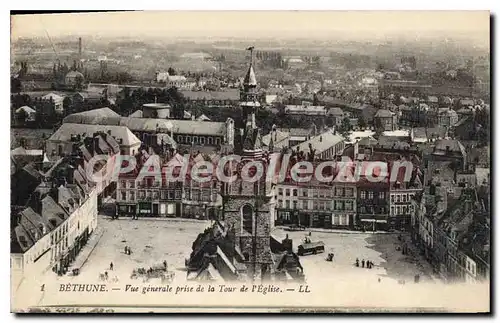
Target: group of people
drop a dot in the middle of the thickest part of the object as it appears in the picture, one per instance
(128, 251)
(369, 264)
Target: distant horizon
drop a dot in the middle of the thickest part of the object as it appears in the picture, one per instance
(314, 25)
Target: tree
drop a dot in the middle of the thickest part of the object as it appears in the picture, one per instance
(78, 82)
(361, 122)
(15, 85)
(171, 71)
(345, 127)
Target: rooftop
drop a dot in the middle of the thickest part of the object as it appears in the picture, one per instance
(66, 130)
(320, 143)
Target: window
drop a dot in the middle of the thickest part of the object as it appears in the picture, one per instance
(363, 195)
(247, 218)
(280, 191)
(315, 193)
(217, 141)
(202, 140)
(392, 210)
(398, 210)
(195, 139)
(338, 205)
(349, 205)
(370, 195)
(210, 140)
(404, 197)
(287, 192)
(392, 198)
(287, 204)
(349, 192)
(294, 192)
(304, 193)
(124, 196)
(398, 198)
(132, 184)
(381, 195)
(132, 195)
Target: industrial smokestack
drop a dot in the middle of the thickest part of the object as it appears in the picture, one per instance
(79, 48)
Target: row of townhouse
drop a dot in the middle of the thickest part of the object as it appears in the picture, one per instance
(317, 205)
(453, 237)
(59, 217)
(157, 195)
(347, 203)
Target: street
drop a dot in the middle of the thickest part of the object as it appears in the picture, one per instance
(380, 248)
(152, 241)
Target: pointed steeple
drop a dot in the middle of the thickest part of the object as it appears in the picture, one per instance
(250, 80)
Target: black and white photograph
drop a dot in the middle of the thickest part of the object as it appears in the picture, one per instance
(250, 161)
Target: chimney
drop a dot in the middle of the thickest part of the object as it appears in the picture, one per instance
(37, 202)
(96, 144)
(80, 48)
(70, 176)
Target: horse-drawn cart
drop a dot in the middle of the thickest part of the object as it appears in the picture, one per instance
(156, 271)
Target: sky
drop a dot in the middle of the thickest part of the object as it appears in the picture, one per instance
(357, 24)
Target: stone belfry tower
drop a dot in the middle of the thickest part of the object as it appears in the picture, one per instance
(248, 205)
(250, 137)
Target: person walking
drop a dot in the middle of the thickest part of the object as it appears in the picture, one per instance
(111, 266)
(363, 263)
(357, 262)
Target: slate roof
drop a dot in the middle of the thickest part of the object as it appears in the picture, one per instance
(382, 113)
(91, 116)
(63, 134)
(320, 143)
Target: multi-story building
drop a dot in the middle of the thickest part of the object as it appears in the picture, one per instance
(385, 120)
(153, 195)
(325, 146)
(402, 191)
(372, 204)
(190, 134)
(62, 142)
(57, 221)
(315, 203)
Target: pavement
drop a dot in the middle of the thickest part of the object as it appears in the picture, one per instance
(158, 219)
(343, 231)
(87, 250)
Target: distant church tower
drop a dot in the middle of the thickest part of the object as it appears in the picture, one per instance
(248, 207)
(249, 137)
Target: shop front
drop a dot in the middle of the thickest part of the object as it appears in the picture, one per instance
(285, 217)
(373, 224)
(145, 209)
(126, 209)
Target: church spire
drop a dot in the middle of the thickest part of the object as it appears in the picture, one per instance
(250, 80)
